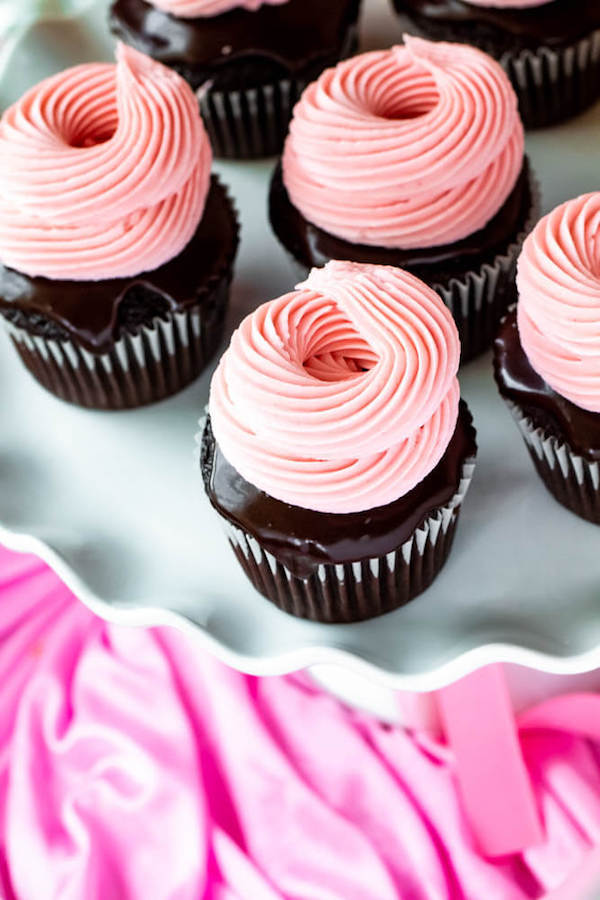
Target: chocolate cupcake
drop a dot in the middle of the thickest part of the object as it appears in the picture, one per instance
(248, 60)
(116, 245)
(336, 450)
(550, 49)
(547, 354)
(412, 157)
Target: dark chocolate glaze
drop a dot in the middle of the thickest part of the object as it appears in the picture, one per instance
(311, 246)
(553, 24)
(517, 381)
(298, 38)
(302, 539)
(90, 311)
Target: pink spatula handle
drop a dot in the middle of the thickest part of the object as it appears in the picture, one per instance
(495, 787)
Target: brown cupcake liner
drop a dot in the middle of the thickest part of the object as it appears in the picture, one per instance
(554, 84)
(479, 298)
(353, 591)
(142, 367)
(571, 478)
(252, 123)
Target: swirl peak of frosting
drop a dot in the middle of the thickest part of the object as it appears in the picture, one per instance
(191, 9)
(342, 395)
(558, 278)
(104, 171)
(415, 146)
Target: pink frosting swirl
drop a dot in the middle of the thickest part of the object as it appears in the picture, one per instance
(558, 278)
(190, 9)
(415, 146)
(341, 395)
(104, 171)
(508, 4)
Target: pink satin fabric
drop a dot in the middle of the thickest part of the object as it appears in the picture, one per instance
(133, 765)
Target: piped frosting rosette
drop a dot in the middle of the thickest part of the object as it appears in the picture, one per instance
(342, 395)
(104, 171)
(558, 313)
(190, 9)
(416, 146)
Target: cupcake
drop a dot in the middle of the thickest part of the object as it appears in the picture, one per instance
(116, 244)
(547, 354)
(249, 60)
(550, 50)
(336, 450)
(412, 157)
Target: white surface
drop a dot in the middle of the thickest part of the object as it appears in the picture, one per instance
(115, 502)
(527, 688)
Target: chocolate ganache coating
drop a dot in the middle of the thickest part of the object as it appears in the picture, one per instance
(552, 25)
(240, 48)
(312, 246)
(96, 312)
(520, 383)
(303, 539)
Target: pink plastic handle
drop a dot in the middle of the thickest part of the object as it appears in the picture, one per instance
(420, 712)
(495, 787)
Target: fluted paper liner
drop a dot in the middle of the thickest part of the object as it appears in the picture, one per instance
(142, 367)
(571, 478)
(253, 123)
(479, 298)
(555, 83)
(352, 591)
(147, 362)
(250, 123)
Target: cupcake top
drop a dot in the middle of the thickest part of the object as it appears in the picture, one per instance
(104, 171)
(416, 146)
(342, 395)
(191, 9)
(558, 313)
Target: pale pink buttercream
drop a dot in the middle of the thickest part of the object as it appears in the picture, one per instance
(415, 146)
(190, 9)
(104, 171)
(559, 300)
(342, 395)
(508, 4)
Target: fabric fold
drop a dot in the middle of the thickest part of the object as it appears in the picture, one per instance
(135, 765)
